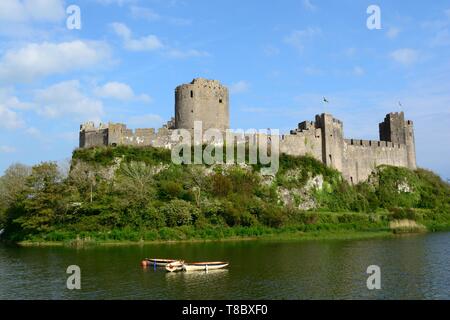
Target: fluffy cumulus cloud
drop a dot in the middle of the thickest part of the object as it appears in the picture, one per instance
(37, 60)
(405, 56)
(31, 10)
(10, 108)
(10, 100)
(67, 99)
(10, 119)
(120, 91)
(147, 43)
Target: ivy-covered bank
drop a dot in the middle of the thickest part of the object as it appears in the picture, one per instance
(137, 194)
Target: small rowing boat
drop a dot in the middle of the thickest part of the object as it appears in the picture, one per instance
(175, 266)
(204, 266)
(157, 262)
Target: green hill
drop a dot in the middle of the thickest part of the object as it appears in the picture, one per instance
(133, 194)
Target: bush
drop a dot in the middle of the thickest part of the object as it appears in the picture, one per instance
(273, 217)
(178, 213)
(402, 213)
(154, 219)
(170, 190)
(221, 185)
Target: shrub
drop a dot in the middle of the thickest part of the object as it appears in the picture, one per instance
(154, 219)
(178, 213)
(402, 213)
(221, 185)
(170, 189)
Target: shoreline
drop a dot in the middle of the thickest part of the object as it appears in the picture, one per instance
(298, 236)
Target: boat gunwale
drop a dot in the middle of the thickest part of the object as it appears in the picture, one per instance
(206, 263)
(162, 260)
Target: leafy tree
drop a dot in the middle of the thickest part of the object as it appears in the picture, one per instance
(12, 185)
(42, 198)
(135, 182)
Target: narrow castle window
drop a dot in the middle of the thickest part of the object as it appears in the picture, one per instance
(220, 100)
(192, 94)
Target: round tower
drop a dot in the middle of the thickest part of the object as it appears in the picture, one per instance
(202, 100)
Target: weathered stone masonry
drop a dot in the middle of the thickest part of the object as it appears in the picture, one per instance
(208, 101)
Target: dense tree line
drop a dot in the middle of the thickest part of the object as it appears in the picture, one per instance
(140, 189)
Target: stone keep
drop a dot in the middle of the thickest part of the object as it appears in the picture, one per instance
(208, 101)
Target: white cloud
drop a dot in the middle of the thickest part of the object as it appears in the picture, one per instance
(183, 54)
(297, 38)
(10, 119)
(308, 5)
(7, 149)
(239, 87)
(39, 60)
(8, 99)
(119, 91)
(147, 43)
(393, 32)
(31, 10)
(405, 56)
(66, 99)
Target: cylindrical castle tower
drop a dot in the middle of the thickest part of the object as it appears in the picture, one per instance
(202, 100)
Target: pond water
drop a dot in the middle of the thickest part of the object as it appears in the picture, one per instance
(412, 267)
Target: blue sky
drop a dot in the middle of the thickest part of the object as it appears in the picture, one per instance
(279, 58)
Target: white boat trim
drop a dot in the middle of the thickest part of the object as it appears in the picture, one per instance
(204, 266)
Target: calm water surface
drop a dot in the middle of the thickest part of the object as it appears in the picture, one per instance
(413, 267)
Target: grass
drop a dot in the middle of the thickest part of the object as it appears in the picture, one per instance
(300, 231)
(327, 226)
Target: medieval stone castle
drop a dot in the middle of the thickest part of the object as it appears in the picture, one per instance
(208, 101)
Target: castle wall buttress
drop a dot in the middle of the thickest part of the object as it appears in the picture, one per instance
(332, 140)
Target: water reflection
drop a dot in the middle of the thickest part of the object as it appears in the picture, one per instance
(187, 276)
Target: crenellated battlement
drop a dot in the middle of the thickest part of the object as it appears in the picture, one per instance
(207, 101)
(373, 143)
(90, 126)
